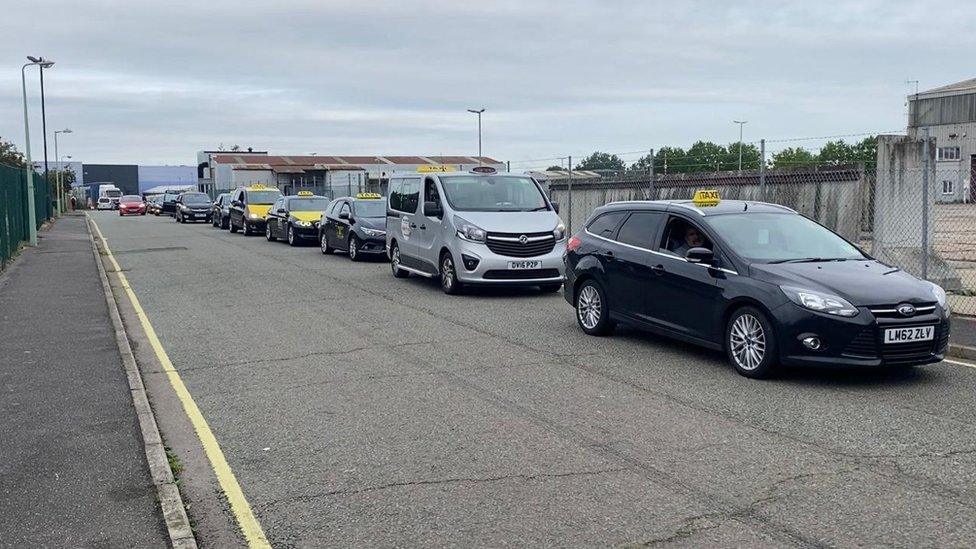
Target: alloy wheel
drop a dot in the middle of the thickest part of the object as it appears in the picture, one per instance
(589, 307)
(748, 342)
(447, 273)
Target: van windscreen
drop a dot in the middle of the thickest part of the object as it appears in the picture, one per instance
(481, 193)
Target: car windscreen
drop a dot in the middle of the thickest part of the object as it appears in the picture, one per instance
(262, 197)
(196, 198)
(131, 198)
(308, 204)
(370, 208)
(781, 237)
(169, 197)
(113, 193)
(481, 193)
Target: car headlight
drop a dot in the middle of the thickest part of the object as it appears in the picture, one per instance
(559, 232)
(820, 302)
(940, 295)
(183, 207)
(373, 232)
(253, 216)
(469, 231)
(304, 223)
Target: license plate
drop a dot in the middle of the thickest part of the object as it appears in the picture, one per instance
(201, 216)
(522, 265)
(906, 335)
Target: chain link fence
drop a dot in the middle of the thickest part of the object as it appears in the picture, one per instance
(14, 219)
(915, 216)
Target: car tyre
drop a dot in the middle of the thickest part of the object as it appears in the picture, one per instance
(324, 244)
(750, 343)
(244, 228)
(268, 234)
(233, 228)
(354, 248)
(290, 236)
(448, 275)
(592, 309)
(395, 262)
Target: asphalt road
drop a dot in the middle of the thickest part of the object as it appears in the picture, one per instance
(358, 409)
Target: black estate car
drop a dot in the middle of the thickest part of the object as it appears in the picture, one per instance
(355, 225)
(759, 281)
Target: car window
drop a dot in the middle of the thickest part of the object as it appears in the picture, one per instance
(681, 235)
(639, 229)
(430, 192)
(605, 224)
(344, 208)
(395, 185)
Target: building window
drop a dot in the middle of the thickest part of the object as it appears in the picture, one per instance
(948, 186)
(948, 153)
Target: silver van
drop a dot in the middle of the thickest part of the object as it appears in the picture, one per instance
(476, 227)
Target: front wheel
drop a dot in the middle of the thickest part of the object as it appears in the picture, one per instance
(268, 234)
(750, 343)
(395, 262)
(449, 281)
(592, 309)
(324, 244)
(290, 236)
(354, 248)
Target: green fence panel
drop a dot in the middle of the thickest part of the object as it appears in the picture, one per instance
(14, 218)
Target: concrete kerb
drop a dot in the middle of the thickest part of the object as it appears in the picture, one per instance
(174, 512)
(962, 351)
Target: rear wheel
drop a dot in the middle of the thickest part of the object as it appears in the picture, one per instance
(354, 248)
(224, 222)
(592, 310)
(395, 262)
(750, 343)
(449, 281)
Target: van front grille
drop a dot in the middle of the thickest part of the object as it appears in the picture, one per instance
(510, 245)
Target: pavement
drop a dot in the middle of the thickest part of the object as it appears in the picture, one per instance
(356, 409)
(964, 331)
(73, 471)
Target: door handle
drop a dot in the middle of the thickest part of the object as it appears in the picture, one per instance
(423, 227)
(658, 269)
(608, 254)
(413, 225)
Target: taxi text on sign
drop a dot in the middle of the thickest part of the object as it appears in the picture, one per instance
(706, 198)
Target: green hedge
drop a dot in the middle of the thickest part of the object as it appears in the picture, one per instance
(14, 228)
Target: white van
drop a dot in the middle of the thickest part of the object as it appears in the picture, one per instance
(476, 227)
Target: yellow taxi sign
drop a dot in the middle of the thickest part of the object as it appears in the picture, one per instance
(706, 198)
(369, 196)
(436, 169)
(256, 186)
(305, 193)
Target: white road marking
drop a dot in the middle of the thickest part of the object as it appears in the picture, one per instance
(966, 364)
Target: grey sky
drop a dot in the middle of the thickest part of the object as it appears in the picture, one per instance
(153, 82)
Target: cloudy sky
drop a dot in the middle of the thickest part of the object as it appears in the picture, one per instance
(153, 82)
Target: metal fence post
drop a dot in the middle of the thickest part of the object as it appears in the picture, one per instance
(650, 170)
(925, 208)
(569, 192)
(762, 169)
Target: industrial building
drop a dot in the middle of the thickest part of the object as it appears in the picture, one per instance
(948, 113)
(333, 176)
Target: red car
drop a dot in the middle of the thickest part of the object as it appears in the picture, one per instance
(132, 204)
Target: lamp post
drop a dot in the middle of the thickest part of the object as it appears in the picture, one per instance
(61, 179)
(740, 123)
(31, 215)
(478, 112)
(60, 169)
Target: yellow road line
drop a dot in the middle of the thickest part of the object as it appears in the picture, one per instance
(966, 364)
(228, 482)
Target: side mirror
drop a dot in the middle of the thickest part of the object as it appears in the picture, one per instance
(700, 255)
(555, 207)
(343, 215)
(433, 209)
(236, 203)
(281, 210)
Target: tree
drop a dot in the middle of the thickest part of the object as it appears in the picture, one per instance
(601, 161)
(10, 156)
(836, 152)
(792, 156)
(867, 150)
(554, 168)
(705, 156)
(750, 157)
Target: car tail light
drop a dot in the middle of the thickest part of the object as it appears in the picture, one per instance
(573, 243)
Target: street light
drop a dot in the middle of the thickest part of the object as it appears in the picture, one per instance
(740, 123)
(478, 112)
(60, 169)
(31, 216)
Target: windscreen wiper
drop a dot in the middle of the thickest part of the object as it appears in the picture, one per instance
(809, 260)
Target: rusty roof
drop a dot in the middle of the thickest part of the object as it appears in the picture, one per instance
(309, 160)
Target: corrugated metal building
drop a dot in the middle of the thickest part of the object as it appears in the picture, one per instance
(949, 114)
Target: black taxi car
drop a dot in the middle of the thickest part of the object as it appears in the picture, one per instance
(295, 218)
(249, 207)
(355, 225)
(759, 281)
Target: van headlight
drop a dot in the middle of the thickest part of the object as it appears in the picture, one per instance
(559, 232)
(469, 231)
(940, 296)
(820, 302)
(253, 216)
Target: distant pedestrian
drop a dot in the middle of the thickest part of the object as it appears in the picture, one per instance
(74, 203)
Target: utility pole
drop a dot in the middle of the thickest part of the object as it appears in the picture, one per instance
(31, 209)
(762, 169)
(47, 178)
(925, 206)
(650, 171)
(740, 123)
(58, 178)
(569, 191)
(911, 114)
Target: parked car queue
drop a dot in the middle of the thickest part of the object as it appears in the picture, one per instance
(760, 282)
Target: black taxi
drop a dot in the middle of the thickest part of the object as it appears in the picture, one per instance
(295, 218)
(758, 281)
(355, 225)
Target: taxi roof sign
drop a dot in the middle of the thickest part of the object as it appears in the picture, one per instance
(706, 198)
(483, 169)
(305, 193)
(369, 196)
(435, 169)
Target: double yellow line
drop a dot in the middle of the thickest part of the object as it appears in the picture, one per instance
(246, 520)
